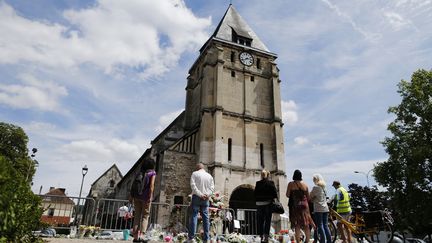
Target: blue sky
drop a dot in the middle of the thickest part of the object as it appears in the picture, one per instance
(93, 82)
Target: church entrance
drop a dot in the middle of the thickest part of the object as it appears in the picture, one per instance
(242, 201)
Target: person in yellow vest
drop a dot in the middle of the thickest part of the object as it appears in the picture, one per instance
(343, 208)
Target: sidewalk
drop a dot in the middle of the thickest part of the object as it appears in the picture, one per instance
(65, 240)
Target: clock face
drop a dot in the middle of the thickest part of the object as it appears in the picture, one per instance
(246, 58)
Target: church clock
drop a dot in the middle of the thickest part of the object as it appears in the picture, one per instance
(246, 58)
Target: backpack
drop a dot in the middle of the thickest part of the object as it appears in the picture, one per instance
(137, 185)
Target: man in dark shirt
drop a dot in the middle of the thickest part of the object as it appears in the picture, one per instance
(265, 192)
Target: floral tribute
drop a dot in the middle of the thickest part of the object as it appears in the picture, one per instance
(216, 200)
(236, 238)
(88, 231)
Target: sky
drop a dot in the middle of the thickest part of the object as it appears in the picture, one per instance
(93, 82)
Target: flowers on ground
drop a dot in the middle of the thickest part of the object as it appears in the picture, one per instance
(86, 231)
(236, 238)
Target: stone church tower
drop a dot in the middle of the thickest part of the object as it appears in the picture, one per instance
(232, 121)
(233, 101)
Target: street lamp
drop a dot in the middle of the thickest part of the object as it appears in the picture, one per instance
(366, 174)
(84, 172)
(33, 162)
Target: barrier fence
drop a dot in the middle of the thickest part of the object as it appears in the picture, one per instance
(115, 214)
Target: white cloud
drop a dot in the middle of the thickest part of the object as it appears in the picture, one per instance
(32, 93)
(114, 150)
(166, 119)
(396, 20)
(346, 17)
(301, 140)
(144, 35)
(289, 112)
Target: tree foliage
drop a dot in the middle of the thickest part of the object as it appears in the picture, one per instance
(407, 174)
(13, 146)
(367, 198)
(20, 209)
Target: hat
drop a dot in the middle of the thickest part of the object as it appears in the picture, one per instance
(336, 183)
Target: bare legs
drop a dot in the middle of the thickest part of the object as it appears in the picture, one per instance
(344, 232)
(306, 230)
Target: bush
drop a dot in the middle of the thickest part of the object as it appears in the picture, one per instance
(20, 208)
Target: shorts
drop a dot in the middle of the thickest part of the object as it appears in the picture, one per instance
(345, 216)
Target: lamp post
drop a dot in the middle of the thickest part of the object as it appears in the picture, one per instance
(33, 162)
(84, 172)
(366, 174)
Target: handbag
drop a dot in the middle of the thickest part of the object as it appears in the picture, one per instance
(276, 207)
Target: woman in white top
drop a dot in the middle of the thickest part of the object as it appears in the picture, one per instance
(321, 210)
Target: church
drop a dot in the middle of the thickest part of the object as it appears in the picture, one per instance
(232, 122)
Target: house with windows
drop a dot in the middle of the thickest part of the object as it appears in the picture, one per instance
(57, 207)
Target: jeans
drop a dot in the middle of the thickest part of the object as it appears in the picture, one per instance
(264, 215)
(199, 204)
(321, 221)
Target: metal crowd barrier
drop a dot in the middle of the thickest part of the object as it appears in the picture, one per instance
(248, 221)
(107, 215)
(66, 211)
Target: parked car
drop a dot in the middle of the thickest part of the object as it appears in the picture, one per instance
(105, 235)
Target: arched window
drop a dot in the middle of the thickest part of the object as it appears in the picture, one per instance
(229, 149)
(262, 155)
(112, 183)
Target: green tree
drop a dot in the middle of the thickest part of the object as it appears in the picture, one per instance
(407, 174)
(13, 146)
(20, 209)
(367, 198)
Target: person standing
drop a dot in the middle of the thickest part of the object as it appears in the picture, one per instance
(318, 197)
(265, 192)
(227, 221)
(202, 185)
(121, 216)
(298, 204)
(343, 208)
(142, 201)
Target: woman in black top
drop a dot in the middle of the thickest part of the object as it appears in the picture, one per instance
(265, 193)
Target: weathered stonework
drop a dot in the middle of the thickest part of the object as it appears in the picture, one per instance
(232, 121)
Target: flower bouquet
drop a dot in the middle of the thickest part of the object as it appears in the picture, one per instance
(182, 237)
(236, 238)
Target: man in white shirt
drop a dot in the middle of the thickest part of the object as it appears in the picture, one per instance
(121, 214)
(202, 185)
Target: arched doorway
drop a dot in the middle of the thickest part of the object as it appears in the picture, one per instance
(242, 201)
(243, 197)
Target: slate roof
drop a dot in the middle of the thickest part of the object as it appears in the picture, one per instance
(57, 195)
(233, 21)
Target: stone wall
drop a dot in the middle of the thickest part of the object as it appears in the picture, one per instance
(177, 170)
(102, 188)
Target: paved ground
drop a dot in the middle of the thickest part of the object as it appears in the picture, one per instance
(65, 240)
